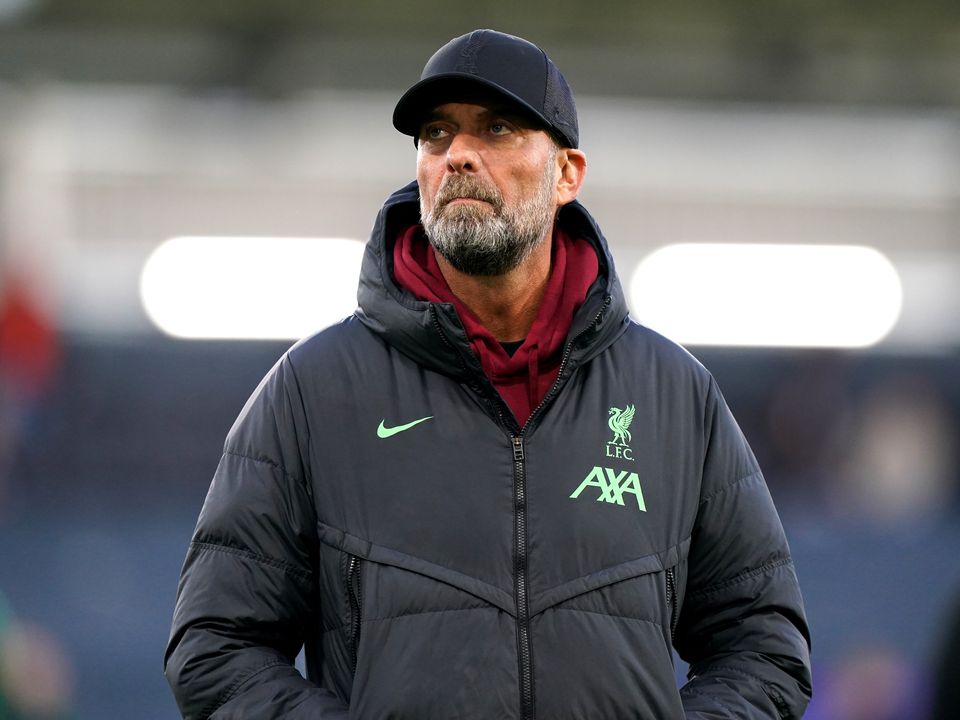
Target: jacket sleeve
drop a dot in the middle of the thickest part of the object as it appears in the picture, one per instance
(247, 590)
(742, 626)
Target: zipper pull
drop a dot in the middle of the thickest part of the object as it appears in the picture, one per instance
(518, 449)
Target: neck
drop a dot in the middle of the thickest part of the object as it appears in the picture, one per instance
(506, 304)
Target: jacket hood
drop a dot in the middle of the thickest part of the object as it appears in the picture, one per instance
(432, 334)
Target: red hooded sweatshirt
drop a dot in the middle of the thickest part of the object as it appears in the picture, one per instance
(522, 379)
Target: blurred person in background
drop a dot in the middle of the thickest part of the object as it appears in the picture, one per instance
(901, 463)
(36, 680)
(488, 494)
(807, 424)
(29, 361)
(871, 681)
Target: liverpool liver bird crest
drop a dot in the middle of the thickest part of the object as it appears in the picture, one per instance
(619, 422)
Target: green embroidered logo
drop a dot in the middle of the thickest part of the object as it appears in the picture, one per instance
(613, 486)
(385, 432)
(619, 424)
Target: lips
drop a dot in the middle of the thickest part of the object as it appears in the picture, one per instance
(467, 200)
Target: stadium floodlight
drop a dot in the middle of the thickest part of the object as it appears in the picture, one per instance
(843, 296)
(253, 288)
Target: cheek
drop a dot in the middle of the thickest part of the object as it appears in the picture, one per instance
(428, 186)
(523, 186)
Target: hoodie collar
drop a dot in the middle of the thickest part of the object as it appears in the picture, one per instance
(524, 376)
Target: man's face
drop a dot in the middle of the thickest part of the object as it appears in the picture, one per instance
(487, 186)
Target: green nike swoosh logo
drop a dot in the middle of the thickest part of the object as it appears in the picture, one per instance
(385, 432)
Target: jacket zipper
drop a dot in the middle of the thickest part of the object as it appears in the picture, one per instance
(524, 652)
(672, 601)
(356, 607)
(520, 580)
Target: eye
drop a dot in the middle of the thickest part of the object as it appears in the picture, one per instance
(433, 132)
(499, 128)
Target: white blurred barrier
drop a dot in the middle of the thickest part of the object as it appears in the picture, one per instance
(111, 173)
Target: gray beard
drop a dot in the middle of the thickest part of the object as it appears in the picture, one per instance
(486, 241)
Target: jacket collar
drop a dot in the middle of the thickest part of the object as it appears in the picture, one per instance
(431, 333)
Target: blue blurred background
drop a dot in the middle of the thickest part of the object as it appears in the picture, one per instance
(125, 124)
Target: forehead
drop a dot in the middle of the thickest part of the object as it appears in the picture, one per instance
(483, 111)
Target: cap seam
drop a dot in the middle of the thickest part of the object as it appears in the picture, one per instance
(469, 52)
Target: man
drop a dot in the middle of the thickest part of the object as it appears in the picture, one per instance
(488, 494)
(946, 672)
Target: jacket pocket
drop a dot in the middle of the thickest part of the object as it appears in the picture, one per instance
(672, 600)
(414, 639)
(352, 582)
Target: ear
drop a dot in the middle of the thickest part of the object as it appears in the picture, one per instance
(572, 165)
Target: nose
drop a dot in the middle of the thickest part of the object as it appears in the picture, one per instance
(463, 153)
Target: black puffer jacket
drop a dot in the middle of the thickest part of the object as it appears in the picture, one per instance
(377, 502)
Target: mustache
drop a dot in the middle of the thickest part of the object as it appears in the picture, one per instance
(464, 186)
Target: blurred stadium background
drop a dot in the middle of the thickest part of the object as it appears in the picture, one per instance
(126, 124)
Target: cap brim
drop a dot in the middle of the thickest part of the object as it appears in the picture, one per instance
(417, 102)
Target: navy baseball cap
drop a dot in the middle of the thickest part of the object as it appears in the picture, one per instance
(488, 62)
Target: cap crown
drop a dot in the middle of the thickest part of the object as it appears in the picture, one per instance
(505, 65)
